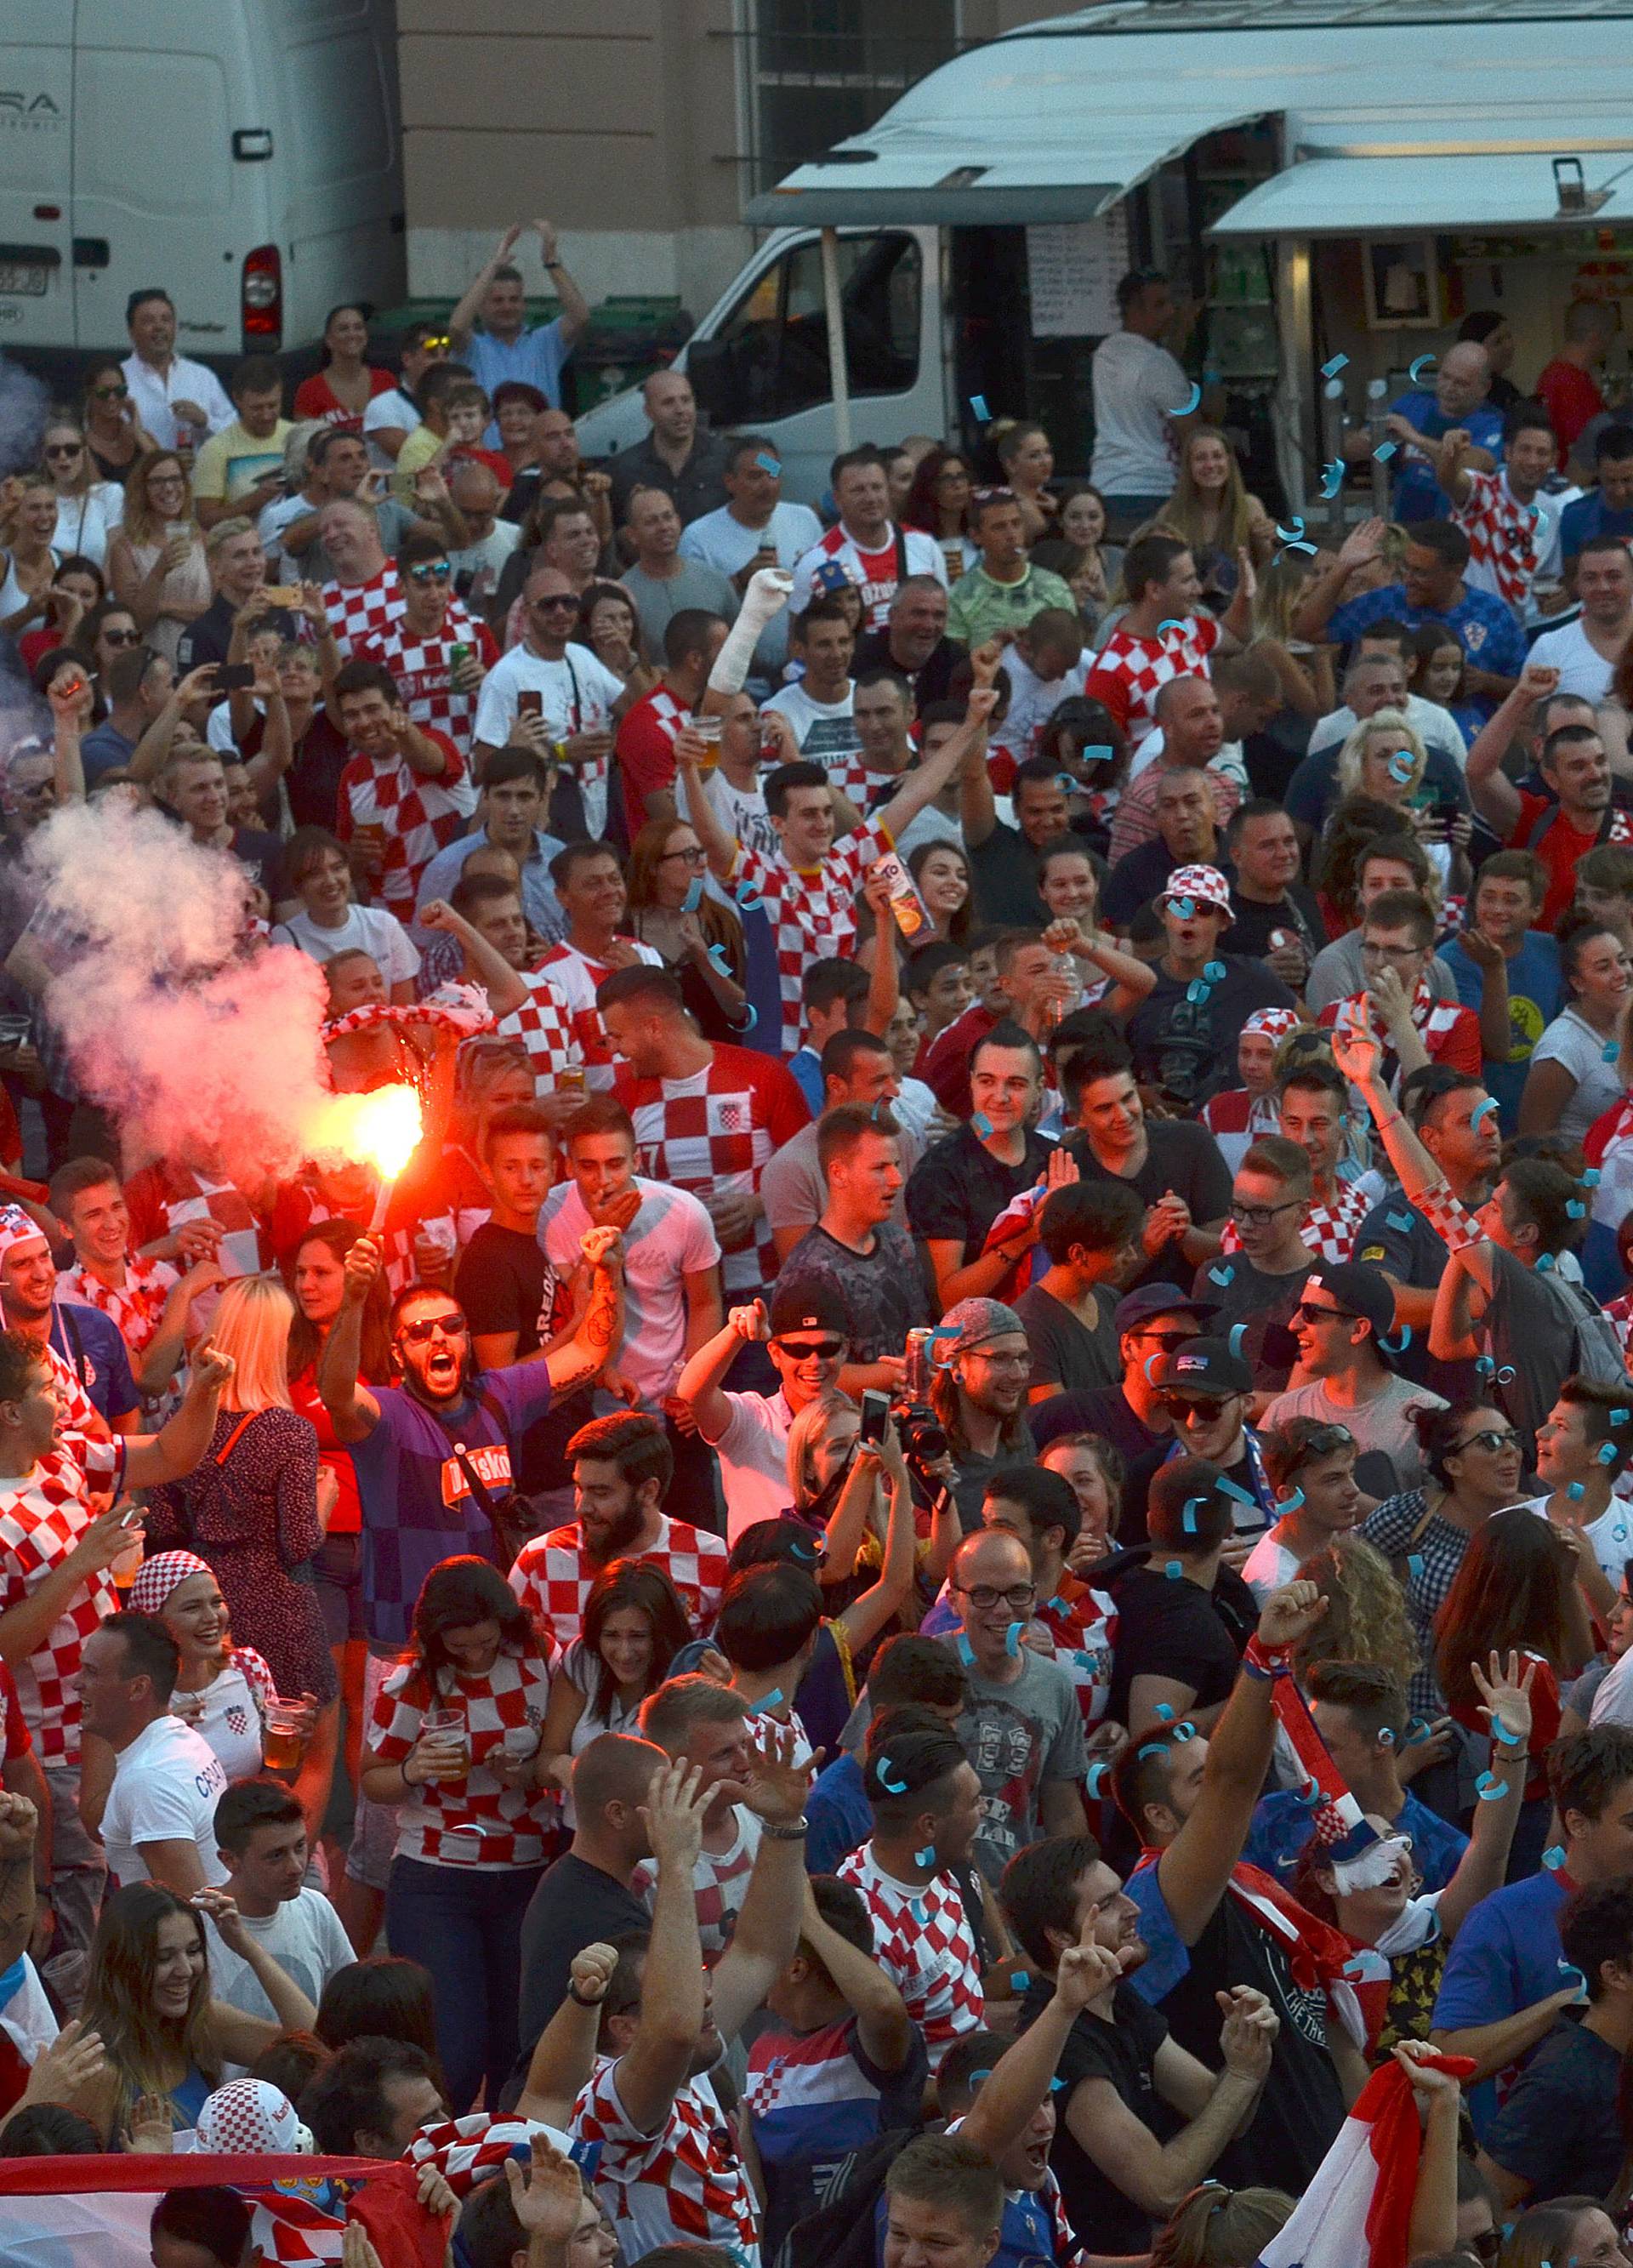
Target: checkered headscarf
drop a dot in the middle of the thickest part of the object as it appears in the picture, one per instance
(157, 1577)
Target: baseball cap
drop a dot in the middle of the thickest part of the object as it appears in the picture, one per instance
(975, 1321)
(1206, 884)
(1361, 1288)
(1136, 1307)
(808, 1307)
(1206, 1366)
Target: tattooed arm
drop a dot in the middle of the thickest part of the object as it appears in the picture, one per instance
(592, 1347)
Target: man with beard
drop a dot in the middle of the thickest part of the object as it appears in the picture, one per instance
(85, 1346)
(621, 1467)
(1118, 2074)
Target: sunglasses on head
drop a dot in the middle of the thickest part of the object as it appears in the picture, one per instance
(811, 1350)
(421, 1334)
(429, 570)
(1324, 1441)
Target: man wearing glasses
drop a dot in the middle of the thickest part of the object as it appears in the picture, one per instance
(1343, 1313)
(806, 1335)
(578, 697)
(1205, 1393)
(1020, 1727)
(1397, 945)
(438, 652)
(1261, 1285)
(1149, 1323)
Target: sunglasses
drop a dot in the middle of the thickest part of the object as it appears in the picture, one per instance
(110, 394)
(564, 603)
(1312, 1314)
(1324, 1441)
(1491, 1438)
(65, 449)
(452, 1327)
(429, 570)
(1202, 1411)
(120, 638)
(1166, 1340)
(812, 1349)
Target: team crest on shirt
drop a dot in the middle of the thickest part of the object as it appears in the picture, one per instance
(237, 1719)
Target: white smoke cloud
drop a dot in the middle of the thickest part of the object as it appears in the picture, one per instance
(25, 406)
(198, 1051)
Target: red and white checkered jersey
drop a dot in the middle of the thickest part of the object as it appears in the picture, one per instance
(923, 1942)
(877, 573)
(360, 613)
(42, 1517)
(1509, 544)
(1328, 1230)
(82, 1420)
(1129, 672)
(416, 816)
(422, 667)
(476, 1821)
(138, 1304)
(468, 2150)
(683, 2185)
(1083, 1622)
(543, 1024)
(713, 1133)
(720, 1881)
(574, 977)
(552, 1575)
(163, 1197)
(812, 910)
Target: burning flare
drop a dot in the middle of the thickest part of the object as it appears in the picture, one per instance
(381, 1130)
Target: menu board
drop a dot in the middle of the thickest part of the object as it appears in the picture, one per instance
(1073, 267)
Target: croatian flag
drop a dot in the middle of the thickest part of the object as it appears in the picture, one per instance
(1357, 2210)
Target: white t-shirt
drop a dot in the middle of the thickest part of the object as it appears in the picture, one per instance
(1571, 1041)
(579, 692)
(826, 731)
(304, 1936)
(274, 518)
(753, 1460)
(394, 409)
(1582, 670)
(485, 561)
(1031, 703)
(1230, 760)
(166, 1785)
(366, 929)
(741, 811)
(671, 1237)
(224, 1716)
(1268, 1565)
(83, 524)
(726, 545)
(1611, 1535)
(1435, 726)
(1613, 1703)
(1137, 387)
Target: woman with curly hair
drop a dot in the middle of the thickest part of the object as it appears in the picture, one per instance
(1365, 1618)
(937, 505)
(148, 1999)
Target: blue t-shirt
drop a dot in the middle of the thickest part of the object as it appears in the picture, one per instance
(418, 1505)
(806, 1067)
(1536, 992)
(1483, 625)
(105, 750)
(1418, 495)
(537, 358)
(841, 1817)
(1281, 1825)
(94, 1347)
(1504, 1958)
(1588, 517)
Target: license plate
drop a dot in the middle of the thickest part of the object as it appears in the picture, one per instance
(29, 282)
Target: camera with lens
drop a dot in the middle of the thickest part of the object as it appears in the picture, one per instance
(922, 1437)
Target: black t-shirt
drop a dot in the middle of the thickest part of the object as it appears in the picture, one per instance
(1188, 1048)
(1251, 930)
(208, 635)
(1104, 1411)
(1395, 1236)
(1180, 1156)
(1263, 1303)
(1124, 2053)
(1169, 1627)
(1557, 2128)
(929, 683)
(1134, 881)
(505, 1284)
(1065, 1352)
(1005, 869)
(262, 855)
(575, 1904)
(957, 1189)
(1302, 2107)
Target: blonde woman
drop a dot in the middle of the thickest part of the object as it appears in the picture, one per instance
(255, 1512)
(1211, 508)
(1305, 670)
(156, 559)
(1385, 760)
(87, 509)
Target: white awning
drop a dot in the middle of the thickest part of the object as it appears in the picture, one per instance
(1416, 195)
(978, 173)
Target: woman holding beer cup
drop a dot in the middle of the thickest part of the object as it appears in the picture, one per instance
(455, 1744)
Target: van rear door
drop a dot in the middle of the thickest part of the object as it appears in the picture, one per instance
(158, 92)
(36, 177)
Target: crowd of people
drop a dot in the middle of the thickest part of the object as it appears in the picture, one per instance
(947, 1579)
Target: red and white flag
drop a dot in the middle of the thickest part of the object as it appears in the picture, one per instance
(1357, 2210)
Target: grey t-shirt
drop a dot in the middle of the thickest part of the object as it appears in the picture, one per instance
(1018, 1737)
(1384, 1422)
(1065, 1352)
(793, 1190)
(1336, 974)
(658, 602)
(883, 1291)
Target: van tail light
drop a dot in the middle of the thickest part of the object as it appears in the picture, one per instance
(261, 296)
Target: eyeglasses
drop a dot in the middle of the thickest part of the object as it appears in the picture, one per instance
(120, 638)
(983, 1597)
(1000, 1361)
(110, 394)
(1201, 1412)
(809, 1350)
(562, 601)
(1309, 1314)
(429, 570)
(65, 449)
(452, 1327)
(695, 856)
(1370, 952)
(1246, 1216)
(1491, 1438)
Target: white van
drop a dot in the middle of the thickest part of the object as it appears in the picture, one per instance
(244, 155)
(1336, 181)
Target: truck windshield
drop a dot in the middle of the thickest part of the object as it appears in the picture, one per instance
(774, 357)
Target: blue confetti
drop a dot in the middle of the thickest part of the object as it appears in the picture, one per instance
(1575, 1209)
(1216, 972)
(1332, 479)
(1164, 1713)
(978, 403)
(1220, 1276)
(1355, 1971)
(966, 1651)
(753, 1014)
(748, 897)
(1186, 1731)
(1384, 452)
(1424, 362)
(1290, 534)
(981, 1124)
(1196, 991)
(1150, 1359)
(1331, 370)
(920, 1913)
(1151, 1749)
(1545, 1261)
(694, 898)
(1185, 908)
(766, 1701)
(1021, 1979)
(1174, 623)
(1308, 548)
(1417, 1731)
(1174, 1571)
(1096, 1777)
(1590, 1177)
(1238, 1332)
(1573, 1976)
(1386, 1738)
(1235, 1488)
(1576, 1491)
(1554, 1857)
(1401, 1221)
(926, 1857)
(976, 2077)
(1500, 1731)
(1285, 1504)
(1611, 1050)
(767, 463)
(1484, 1365)
(1011, 1640)
(1398, 1346)
(716, 953)
(1187, 1518)
(1401, 765)
(1065, 780)
(1607, 1452)
(1483, 1111)
(1193, 401)
(1097, 754)
(1490, 1789)
(1415, 1566)
(887, 1778)
(1620, 1417)
(1055, 2086)
(1506, 1375)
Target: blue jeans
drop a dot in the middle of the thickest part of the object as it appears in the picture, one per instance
(464, 1924)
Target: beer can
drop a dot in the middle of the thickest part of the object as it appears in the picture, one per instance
(916, 1379)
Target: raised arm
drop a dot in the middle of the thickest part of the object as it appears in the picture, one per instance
(653, 2067)
(927, 779)
(575, 307)
(177, 1449)
(1016, 2087)
(700, 1383)
(722, 850)
(1492, 792)
(868, 1613)
(767, 1922)
(1325, 589)
(584, 1356)
(505, 987)
(353, 1410)
(563, 2061)
(462, 322)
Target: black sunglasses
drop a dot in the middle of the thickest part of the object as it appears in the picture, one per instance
(421, 1334)
(807, 1350)
(1203, 1405)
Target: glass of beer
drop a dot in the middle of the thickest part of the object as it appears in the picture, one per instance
(708, 730)
(284, 1737)
(447, 1727)
(570, 1080)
